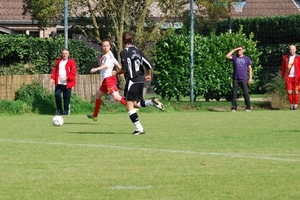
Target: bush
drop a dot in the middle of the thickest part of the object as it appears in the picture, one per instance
(276, 93)
(30, 55)
(12, 107)
(212, 71)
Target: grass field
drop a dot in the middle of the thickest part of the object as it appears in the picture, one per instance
(183, 155)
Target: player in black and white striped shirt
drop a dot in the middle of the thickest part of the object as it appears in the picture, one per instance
(133, 62)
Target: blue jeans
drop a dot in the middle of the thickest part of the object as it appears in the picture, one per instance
(66, 96)
(244, 85)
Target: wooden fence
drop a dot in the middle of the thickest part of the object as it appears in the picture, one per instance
(86, 86)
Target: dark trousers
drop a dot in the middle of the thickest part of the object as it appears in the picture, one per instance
(66, 96)
(244, 85)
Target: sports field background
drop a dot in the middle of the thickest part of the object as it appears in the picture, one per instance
(183, 155)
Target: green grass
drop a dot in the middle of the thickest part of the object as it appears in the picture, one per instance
(183, 155)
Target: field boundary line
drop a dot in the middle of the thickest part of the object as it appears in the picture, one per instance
(240, 155)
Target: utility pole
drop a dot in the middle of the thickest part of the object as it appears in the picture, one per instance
(66, 23)
(192, 52)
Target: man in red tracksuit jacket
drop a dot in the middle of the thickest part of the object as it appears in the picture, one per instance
(64, 77)
(290, 71)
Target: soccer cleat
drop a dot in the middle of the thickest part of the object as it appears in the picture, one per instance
(233, 110)
(137, 132)
(58, 113)
(92, 117)
(248, 110)
(157, 103)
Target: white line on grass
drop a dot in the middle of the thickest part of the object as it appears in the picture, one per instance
(254, 156)
(129, 187)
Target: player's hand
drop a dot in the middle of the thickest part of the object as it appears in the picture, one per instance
(249, 81)
(51, 82)
(147, 78)
(63, 79)
(93, 70)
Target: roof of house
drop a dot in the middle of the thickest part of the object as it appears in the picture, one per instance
(263, 8)
(11, 10)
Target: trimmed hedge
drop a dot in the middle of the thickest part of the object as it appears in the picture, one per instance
(212, 71)
(22, 54)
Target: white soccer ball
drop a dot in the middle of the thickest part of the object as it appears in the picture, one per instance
(58, 120)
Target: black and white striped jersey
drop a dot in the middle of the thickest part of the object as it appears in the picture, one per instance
(133, 60)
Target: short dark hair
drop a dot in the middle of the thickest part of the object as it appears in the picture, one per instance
(127, 38)
(105, 40)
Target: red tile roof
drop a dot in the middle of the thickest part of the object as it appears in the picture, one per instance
(263, 8)
(13, 10)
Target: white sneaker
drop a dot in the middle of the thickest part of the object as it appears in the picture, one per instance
(137, 132)
(248, 110)
(157, 103)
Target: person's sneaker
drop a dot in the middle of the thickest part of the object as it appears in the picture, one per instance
(58, 113)
(92, 117)
(233, 110)
(248, 110)
(137, 132)
(157, 103)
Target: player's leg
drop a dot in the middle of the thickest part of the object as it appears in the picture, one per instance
(58, 100)
(149, 102)
(244, 85)
(113, 90)
(98, 102)
(67, 99)
(234, 95)
(133, 93)
(295, 96)
(289, 90)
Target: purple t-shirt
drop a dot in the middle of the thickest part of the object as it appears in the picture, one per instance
(240, 70)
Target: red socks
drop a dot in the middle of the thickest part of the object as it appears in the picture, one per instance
(97, 107)
(123, 101)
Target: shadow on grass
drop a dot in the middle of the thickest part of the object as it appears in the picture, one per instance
(257, 105)
(82, 123)
(98, 132)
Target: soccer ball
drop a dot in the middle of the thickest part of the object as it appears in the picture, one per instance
(58, 120)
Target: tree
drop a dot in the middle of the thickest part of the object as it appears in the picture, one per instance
(110, 18)
(47, 12)
(207, 14)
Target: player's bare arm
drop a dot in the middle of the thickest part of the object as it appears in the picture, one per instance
(120, 71)
(148, 75)
(229, 55)
(93, 70)
(250, 74)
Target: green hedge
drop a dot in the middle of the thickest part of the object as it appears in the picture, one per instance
(22, 54)
(212, 71)
(267, 30)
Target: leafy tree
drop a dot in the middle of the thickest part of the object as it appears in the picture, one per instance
(47, 12)
(110, 18)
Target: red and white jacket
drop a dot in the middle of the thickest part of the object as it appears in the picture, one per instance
(70, 70)
(285, 66)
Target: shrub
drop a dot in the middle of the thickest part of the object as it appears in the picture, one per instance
(276, 93)
(212, 71)
(12, 107)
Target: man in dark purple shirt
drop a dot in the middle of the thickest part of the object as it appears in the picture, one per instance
(241, 67)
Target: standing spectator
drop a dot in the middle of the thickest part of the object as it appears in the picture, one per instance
(109, 80)
(241, 68)
(133, 60)
(290, 71)
(64, 77)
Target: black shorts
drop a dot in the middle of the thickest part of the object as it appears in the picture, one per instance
(134, 90)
